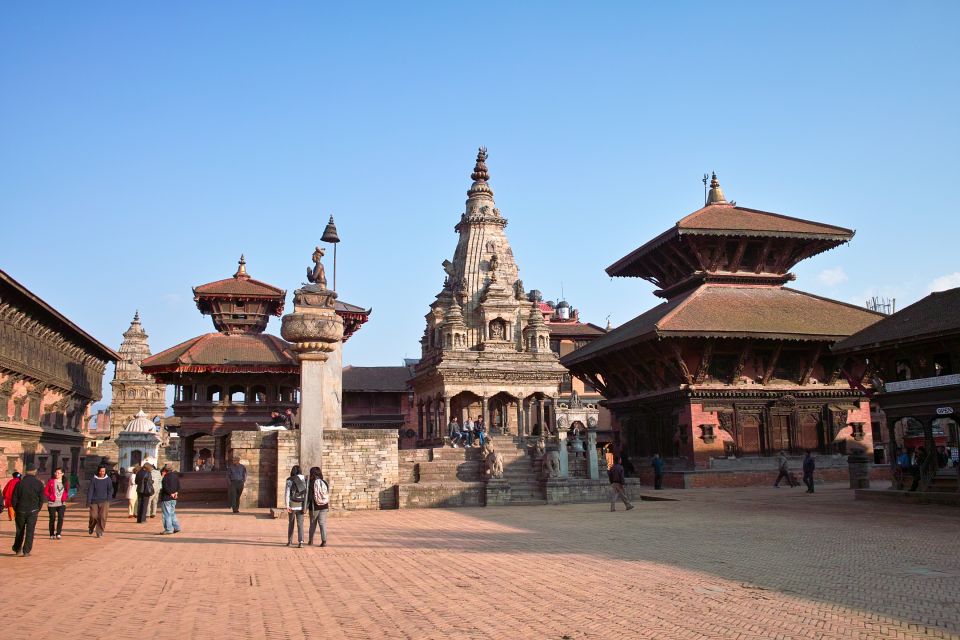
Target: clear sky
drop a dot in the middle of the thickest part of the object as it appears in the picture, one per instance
(146, 145)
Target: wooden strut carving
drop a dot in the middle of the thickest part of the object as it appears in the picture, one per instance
(814, 358)
(704, 366)
(768, 372)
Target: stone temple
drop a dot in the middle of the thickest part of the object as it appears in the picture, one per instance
(486, 348)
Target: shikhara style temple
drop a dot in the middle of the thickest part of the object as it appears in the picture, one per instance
(733, 363)
(232, 379)
(486, 347)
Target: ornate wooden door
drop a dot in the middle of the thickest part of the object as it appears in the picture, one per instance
(749, 432)
(779, 433)
(809, 433)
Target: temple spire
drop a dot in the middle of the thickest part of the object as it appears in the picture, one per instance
(716, 193)
(242, 269)
(480, 177)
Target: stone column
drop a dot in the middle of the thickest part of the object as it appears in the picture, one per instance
(540, 414)
(892, 453)
(564, 457)
(420, 433)
(316, 332)
(485, 413)
(520, 417)
(593, 470)
(446, 415)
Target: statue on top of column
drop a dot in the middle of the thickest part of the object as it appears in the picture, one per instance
(317, 276)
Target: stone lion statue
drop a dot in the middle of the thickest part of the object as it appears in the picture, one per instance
(540, 448)
(551, 464)
(494, 462)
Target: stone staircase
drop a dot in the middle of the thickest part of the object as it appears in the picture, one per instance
(448, 477)
(521, 471)
(945, 481)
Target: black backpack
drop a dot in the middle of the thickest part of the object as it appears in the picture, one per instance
(298, 489)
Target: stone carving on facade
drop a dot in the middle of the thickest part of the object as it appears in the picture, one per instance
(551, 464)
(518, 292)
(539, 448)
(592, 422)
(316, 275)
(494, 462)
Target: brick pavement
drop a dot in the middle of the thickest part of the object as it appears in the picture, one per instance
(746, 563)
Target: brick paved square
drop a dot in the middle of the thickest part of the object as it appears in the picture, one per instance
(748, 563)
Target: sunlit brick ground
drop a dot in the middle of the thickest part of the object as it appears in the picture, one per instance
(730, 563)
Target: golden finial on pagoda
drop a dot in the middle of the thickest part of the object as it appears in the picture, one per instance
(716, 193)
(242, 269)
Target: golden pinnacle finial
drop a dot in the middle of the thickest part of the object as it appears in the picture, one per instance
(716, 193)
(242, 269)
(480, 169)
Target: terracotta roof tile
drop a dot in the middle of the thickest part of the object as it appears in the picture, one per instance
(730, 311)
(720, 217)
(376, 378)
(936, 315)
(574, 329)
(239, 287)
(218, 349)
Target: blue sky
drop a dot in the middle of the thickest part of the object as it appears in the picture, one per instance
(145, 146)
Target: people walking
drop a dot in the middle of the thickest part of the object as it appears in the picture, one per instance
(808, 466)
(99, 493)
(169, 490)
(294, 499)
(56, 492)
(783, 464)
(27, 498)
(152, 502)
(236, 477)
(657, 465)
(318, 500)
(144, 485)
(8, 493)
(615, 474)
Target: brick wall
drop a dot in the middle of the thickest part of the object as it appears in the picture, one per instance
(257, 451)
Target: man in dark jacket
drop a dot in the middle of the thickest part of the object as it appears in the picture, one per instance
(808, 466)
(169, 490)
(615, 474)
(26, 501)
(145, 489)
(99, 492)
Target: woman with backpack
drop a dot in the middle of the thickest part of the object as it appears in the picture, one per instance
(319, 502)
(294, 499)
(56, 493)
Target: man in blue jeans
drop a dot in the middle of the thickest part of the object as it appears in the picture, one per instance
(169, 489)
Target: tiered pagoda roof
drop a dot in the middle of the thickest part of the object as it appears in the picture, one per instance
(241, 308)
(722, 270)
(722, 242)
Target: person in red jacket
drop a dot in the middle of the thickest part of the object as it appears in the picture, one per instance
(8, 493)
(56, 492)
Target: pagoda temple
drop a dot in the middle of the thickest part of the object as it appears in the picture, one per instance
(486, 348)
(734, 363)
(232, 379)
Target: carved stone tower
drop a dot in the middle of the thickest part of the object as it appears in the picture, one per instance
(133, 389)
(485, 351)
